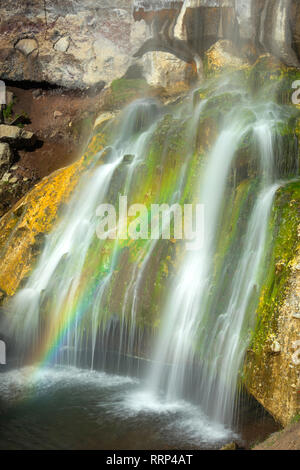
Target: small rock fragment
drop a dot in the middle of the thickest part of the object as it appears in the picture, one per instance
(62, 45)
(276, 348)
(16, 137)
(27, 46)
(230, 446)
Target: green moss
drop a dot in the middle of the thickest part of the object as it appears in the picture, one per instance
(295, 419)
(281, 248)
(8, 110)
(123, 91)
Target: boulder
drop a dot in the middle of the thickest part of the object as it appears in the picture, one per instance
(15, 136)
(62, 45)
(128, 159)
(163, 69)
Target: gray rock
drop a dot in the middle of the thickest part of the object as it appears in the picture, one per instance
(104, 38)
(15, 136)
(275, 347)
(62, 45)
(6, 177)
(128, 159)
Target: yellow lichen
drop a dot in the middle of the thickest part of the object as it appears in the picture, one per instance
(34, 215)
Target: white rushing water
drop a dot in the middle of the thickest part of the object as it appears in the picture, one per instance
(203, 335)
(68, 244)
(188, 311)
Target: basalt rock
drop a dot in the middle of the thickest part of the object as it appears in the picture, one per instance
(87, 44)
(254, 26)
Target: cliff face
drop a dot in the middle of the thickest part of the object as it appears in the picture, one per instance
(89, 44)
(272, 369)
(76, 44)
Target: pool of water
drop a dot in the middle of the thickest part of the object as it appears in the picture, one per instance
(69, 408)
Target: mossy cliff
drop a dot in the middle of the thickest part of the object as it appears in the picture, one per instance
(270, 373)
(23, 228)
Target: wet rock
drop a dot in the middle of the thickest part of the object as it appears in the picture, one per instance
(277, 33)
(6, 177)
(34, 215)
(163, 69)
(104, 38)
(128, 159)
(15, 136)
(222, 55)
(230, 446)
(275, 347)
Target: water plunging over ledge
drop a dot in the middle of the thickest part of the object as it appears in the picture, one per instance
(86, 305)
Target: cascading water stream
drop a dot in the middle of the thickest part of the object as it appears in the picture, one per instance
(69, 243)
(61, 315)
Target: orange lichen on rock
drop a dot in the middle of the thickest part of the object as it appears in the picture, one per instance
(21, 228)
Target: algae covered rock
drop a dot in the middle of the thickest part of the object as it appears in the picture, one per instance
(24, 227)
(272, 372)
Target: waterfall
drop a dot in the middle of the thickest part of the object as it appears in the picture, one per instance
(67, 313)
(57, 278)
(203, 347)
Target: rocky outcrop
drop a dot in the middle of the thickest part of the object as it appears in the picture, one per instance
(88, 44)
(254, 26)
(272, 369)
(16, 137)
(223, 55)
(163, 69)
(275, 374)
(12, 184)
(68, 43)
